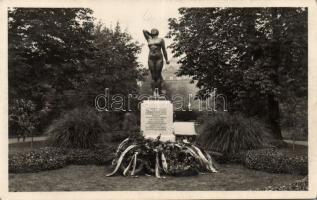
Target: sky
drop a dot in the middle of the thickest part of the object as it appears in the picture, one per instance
(136, 16)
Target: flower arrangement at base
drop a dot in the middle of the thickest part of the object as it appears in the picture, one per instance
(138, 155)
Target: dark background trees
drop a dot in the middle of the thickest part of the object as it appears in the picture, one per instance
(60, 58)
(257, 57)
(47, 49)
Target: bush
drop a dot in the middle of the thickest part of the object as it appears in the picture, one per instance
(22, 118)
(272, 160)
(118, 136)
(54, 158)
(79, 128)
(43, 159)
(229, 134)
(86, 156)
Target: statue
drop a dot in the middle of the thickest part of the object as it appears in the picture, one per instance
(155, 60)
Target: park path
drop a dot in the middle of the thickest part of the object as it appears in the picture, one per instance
(42, 138)
(303, 143)
(27, 139)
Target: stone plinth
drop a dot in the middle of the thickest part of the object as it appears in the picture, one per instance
(157, 119)
(185, 130)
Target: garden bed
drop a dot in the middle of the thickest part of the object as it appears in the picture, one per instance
(81, 166)
(93, 178)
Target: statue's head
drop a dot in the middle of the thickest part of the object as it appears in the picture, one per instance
(154, 32)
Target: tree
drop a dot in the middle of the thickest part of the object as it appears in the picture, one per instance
(257, 57)
(60, 59)
(47, 49)
(113, 66)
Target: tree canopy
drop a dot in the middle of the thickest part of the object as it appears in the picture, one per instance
(61, 56)
(257, 57)
(47, 48)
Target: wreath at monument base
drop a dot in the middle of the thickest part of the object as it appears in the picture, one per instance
(137, 155)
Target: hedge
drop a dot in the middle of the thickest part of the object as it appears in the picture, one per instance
(42, 159)
(86, 157)
(49, 158)
(271, 160)
(274, 161)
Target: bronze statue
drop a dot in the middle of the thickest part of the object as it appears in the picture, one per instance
(155, 61)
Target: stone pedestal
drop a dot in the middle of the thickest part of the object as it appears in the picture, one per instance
(157, 119)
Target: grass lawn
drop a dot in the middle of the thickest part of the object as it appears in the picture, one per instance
(92, 178)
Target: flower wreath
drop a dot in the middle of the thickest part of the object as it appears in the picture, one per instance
(136, 155)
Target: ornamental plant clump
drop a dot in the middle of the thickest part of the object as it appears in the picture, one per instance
(230, 134)
(22, 118)
(79, 128)
(137, 155)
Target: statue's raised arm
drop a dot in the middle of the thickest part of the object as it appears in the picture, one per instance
(146, 34)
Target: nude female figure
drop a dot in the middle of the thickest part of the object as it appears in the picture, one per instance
(155, 61)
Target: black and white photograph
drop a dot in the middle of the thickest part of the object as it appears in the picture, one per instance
(157, 96)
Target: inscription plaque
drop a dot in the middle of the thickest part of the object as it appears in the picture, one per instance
(157, 119)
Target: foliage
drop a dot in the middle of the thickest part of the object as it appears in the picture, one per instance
(99, 156)
(256, 57)
(113, 66)
(43, 159)
(60, 59)
(22, 118)
(78, 128)
(271, 160)
(228, 134)
(47, 47)
(53, 158)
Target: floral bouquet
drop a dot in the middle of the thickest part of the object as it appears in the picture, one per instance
(138, 155)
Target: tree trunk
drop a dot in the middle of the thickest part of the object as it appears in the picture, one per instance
(273, 104)
(274, 117)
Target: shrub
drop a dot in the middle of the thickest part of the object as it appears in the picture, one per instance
(87, 156)
(272, 160)
(53, 158)
(22, 118)
(229, 134)
(42, 159)
(118, 136)
(79, 128)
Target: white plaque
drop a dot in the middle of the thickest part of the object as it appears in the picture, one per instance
(157, 119)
